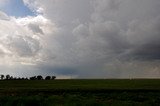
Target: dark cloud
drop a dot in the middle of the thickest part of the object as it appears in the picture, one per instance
(87, 38)
(146, 52)
(54, 70)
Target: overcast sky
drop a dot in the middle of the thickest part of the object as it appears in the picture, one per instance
(80, 38)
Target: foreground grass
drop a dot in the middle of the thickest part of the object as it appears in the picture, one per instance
(81, 84)
(110, 92)
(80, 99)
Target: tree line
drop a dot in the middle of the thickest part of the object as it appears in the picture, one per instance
(39, 77)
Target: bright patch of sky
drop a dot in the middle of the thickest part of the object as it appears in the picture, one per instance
(16, 8)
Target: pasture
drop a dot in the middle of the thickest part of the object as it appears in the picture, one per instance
(80, 92)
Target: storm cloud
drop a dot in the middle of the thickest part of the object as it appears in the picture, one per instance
(84, 38)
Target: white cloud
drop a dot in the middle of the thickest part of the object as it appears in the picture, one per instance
(3, 3)
(3, 16)
(22, 39)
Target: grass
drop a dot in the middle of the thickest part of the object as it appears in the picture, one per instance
(111, 92)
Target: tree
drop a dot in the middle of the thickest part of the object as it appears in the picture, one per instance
(11, 78)
(33, 78)
(22, 78)
(15, 78)
(7, 77)
(2, 77)
(39, 77)
(18, 78)
(53, 77)
(26, 78)
(48, 78)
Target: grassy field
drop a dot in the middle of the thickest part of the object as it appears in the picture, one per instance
(111, 92)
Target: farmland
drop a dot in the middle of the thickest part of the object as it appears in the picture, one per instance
(80, 92)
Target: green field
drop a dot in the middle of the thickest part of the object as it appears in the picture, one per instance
(82, 92)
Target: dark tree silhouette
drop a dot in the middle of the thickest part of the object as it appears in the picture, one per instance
(18, 78)
(2, 77)
(7, 77)
(22, 78)
(26, 78)
(53, 77)
(48, 78)
(11, 78)
(33, 78)
(39, 77)
(15, 78)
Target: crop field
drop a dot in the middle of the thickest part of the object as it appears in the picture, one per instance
(81, 92)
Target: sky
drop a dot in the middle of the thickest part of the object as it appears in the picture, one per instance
(80, 38)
